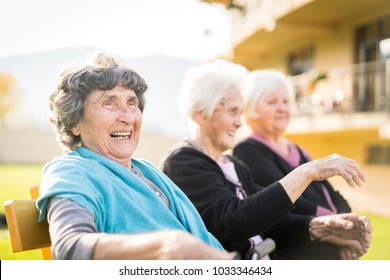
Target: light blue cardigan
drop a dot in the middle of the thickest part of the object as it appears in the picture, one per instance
(119, 200)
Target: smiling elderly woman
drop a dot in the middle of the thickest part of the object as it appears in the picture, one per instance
(99, 201)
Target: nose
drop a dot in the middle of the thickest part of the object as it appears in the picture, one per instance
(238, 121)
(125, 114)
(282, 106)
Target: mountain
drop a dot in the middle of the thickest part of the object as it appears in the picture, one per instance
(36, 76)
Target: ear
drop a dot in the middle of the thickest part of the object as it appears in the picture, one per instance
(75, 130)
(199, 117)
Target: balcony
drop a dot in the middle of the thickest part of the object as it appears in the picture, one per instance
(343, 98)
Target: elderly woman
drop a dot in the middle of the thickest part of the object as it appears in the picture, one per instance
(271, 156)
(100, 202)
(238, 212)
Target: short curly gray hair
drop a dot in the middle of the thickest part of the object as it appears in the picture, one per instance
(74, 84)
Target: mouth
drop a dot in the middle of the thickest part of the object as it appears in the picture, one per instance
(121, 135)
(231, 133)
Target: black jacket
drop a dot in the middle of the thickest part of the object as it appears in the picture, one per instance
(231, 220)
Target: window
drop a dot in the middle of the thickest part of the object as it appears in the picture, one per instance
(301, 60)
(372, 48)
(378, 154)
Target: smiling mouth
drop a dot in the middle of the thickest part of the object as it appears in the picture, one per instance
(231, 133)
(121, 135)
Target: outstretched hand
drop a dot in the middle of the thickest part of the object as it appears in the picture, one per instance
(336, 164)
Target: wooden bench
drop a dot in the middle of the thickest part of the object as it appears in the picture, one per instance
(25, 231)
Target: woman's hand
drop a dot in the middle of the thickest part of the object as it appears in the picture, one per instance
(297, 180)
(348, 226)
(333, 165)
(353, 252)
(183, 246)
(348, 249)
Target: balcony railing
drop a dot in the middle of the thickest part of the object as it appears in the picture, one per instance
(347, 97)
(363, 87)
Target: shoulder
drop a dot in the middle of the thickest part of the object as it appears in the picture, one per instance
(248, 147)
(249, 143)
(182, 152)
(68, 163)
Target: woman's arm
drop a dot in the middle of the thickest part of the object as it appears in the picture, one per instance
(74, 236)
(267, 167)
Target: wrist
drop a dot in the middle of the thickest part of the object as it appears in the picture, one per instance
(314, 234)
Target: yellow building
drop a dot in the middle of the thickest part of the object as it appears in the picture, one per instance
(337, 55)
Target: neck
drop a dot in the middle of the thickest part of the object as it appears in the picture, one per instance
(205, 146)
(271, 138)
(277, 141)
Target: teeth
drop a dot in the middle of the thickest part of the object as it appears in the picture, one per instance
(121, 135)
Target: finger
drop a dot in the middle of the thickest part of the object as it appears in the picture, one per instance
(338, 223)
(349, 179)
(366, 243)
(357, 180)
(359, 250)
(348, 254)
(367, 224)
(357, 170)
(342, 254)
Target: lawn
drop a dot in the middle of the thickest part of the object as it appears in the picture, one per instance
(17, 179)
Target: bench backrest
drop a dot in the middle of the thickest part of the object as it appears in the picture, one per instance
(26, 233)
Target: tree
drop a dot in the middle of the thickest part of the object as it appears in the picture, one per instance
(9, 94)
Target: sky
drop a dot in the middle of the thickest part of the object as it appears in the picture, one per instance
(134, 28)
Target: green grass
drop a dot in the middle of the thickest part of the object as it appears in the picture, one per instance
(16, 181)
(380, 246)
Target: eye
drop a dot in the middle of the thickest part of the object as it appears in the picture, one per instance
(109, 104)
(132, 103)
(271, 101)
(235, 111)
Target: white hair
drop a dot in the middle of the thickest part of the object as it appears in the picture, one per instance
(204, 85)
(259, 84)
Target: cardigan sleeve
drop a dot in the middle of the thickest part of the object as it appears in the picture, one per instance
(268, 168)
(227, 217)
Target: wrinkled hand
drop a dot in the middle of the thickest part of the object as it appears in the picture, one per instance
(337, 165)
(348, 249)
(352, 252)
(348, 226)
(183, 246)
